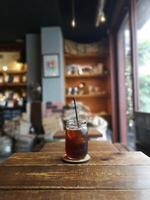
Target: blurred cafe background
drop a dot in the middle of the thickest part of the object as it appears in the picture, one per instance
(95, 51)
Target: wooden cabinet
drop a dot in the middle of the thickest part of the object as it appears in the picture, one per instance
(87, 78)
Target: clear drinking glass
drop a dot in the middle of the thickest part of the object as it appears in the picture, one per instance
(76, 139)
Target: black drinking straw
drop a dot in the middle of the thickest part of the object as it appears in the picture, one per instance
(76, 110)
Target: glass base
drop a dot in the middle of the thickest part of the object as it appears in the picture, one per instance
(69, 160)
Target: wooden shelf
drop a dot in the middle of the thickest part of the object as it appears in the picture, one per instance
(88, 96)
(14, 72)
(86, 75)
(13, 84)
(92, 56)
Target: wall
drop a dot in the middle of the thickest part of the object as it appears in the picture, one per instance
(52, 42)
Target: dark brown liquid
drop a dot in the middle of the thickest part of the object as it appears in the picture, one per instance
(76, 144)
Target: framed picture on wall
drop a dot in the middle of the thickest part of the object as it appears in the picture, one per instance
(51, 65)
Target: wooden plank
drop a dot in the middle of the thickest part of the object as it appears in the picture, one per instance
(105, 158)
(95, 146)
(75, 177)
(74, 195)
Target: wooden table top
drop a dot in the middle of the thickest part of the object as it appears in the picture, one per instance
(102, 158)
(109, 174)
(94, 146)
(75, 195)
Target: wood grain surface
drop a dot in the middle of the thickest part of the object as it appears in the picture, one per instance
(112, 173)
(74, 195)
(49, 158)
(95, 146)
(75, 177)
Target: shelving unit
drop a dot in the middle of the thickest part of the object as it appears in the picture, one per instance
(15, 82)
(98, 100)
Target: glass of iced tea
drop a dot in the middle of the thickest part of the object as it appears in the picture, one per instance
(76, 143)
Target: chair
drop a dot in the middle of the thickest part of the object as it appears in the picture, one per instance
(142, 127)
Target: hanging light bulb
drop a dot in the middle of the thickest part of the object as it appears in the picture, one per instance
(102, 17)
(73, 21)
